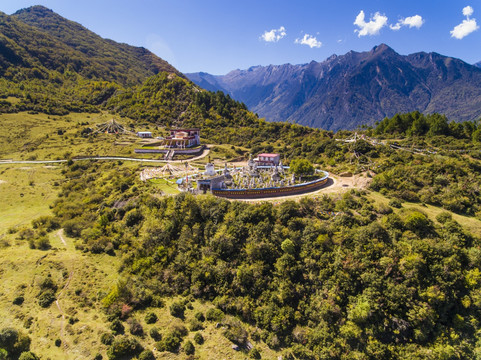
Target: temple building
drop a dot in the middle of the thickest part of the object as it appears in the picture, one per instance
(210, 179)
(182, 138)
(268, 159)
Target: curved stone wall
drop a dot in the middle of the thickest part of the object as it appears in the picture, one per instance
(272, 192)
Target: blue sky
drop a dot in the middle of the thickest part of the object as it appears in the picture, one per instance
(218, 36)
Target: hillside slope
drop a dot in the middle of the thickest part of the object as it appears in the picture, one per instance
(88, 54)
(52, 65)
(344, 92)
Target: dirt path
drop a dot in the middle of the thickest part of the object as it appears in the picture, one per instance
(112, 158)
(57, 303)
(345, 183)
(59, 296)
(60, 235)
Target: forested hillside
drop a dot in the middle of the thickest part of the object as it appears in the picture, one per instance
(372, 281)
(53, 65)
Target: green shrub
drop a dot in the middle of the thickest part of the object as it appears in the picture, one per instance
(58, 342)
(107, 338)
(8, 338)
(195, 325)
(48, 283)
(146, 355)
(179, 330)
(395, 203)
(18, 300)
(117, 327)
(49, 223)
(124, 346)
(151, 318)
(177, 309)
(28, 355)
(46, 298)
(189, 348)
(155, 334)
(199, 316)
(235, 332)
(170, 342)
(198, 338)
(3, 354)
(214, 315)
(301, 167)
(254, 353)
(443, 217)
(135, 328)
(417, 222)
(14, 342)
(273, 341)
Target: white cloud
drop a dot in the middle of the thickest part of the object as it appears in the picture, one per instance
(274, 35)
(468, 11)
(375, 24)
(310, 41)
(464, 29)
(412, 21)
(467, 26)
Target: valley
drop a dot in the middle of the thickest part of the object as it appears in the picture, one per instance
(105, 254)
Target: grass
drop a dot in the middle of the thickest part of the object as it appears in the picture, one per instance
(45, 137)
(214, 341)
(90, 278)
(26, 192)
(168, 187)
(472, 224)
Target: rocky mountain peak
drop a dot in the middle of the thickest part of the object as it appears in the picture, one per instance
(358, 88)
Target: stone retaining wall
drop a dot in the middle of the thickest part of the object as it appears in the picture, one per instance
(271, 192)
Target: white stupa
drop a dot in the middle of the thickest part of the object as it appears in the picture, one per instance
(209, 170)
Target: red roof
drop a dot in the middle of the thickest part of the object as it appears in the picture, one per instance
(269, 155)
(185, 129)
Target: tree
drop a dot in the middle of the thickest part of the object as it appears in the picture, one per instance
(28, 355)
(122, 347)
(177, 309)
(301, 167)
(477, 136)
(150, 318)
(146, 355)
(189, 348)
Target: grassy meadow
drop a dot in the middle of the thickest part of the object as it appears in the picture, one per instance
(47, 137)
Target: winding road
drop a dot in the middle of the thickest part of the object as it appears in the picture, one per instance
(112, 158)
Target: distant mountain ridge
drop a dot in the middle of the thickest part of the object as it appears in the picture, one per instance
(344, 92)
(478, 64)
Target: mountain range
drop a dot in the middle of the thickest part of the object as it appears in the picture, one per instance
(344, 92)
(53, 65)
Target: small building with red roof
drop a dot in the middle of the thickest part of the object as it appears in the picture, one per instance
(266, 159)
